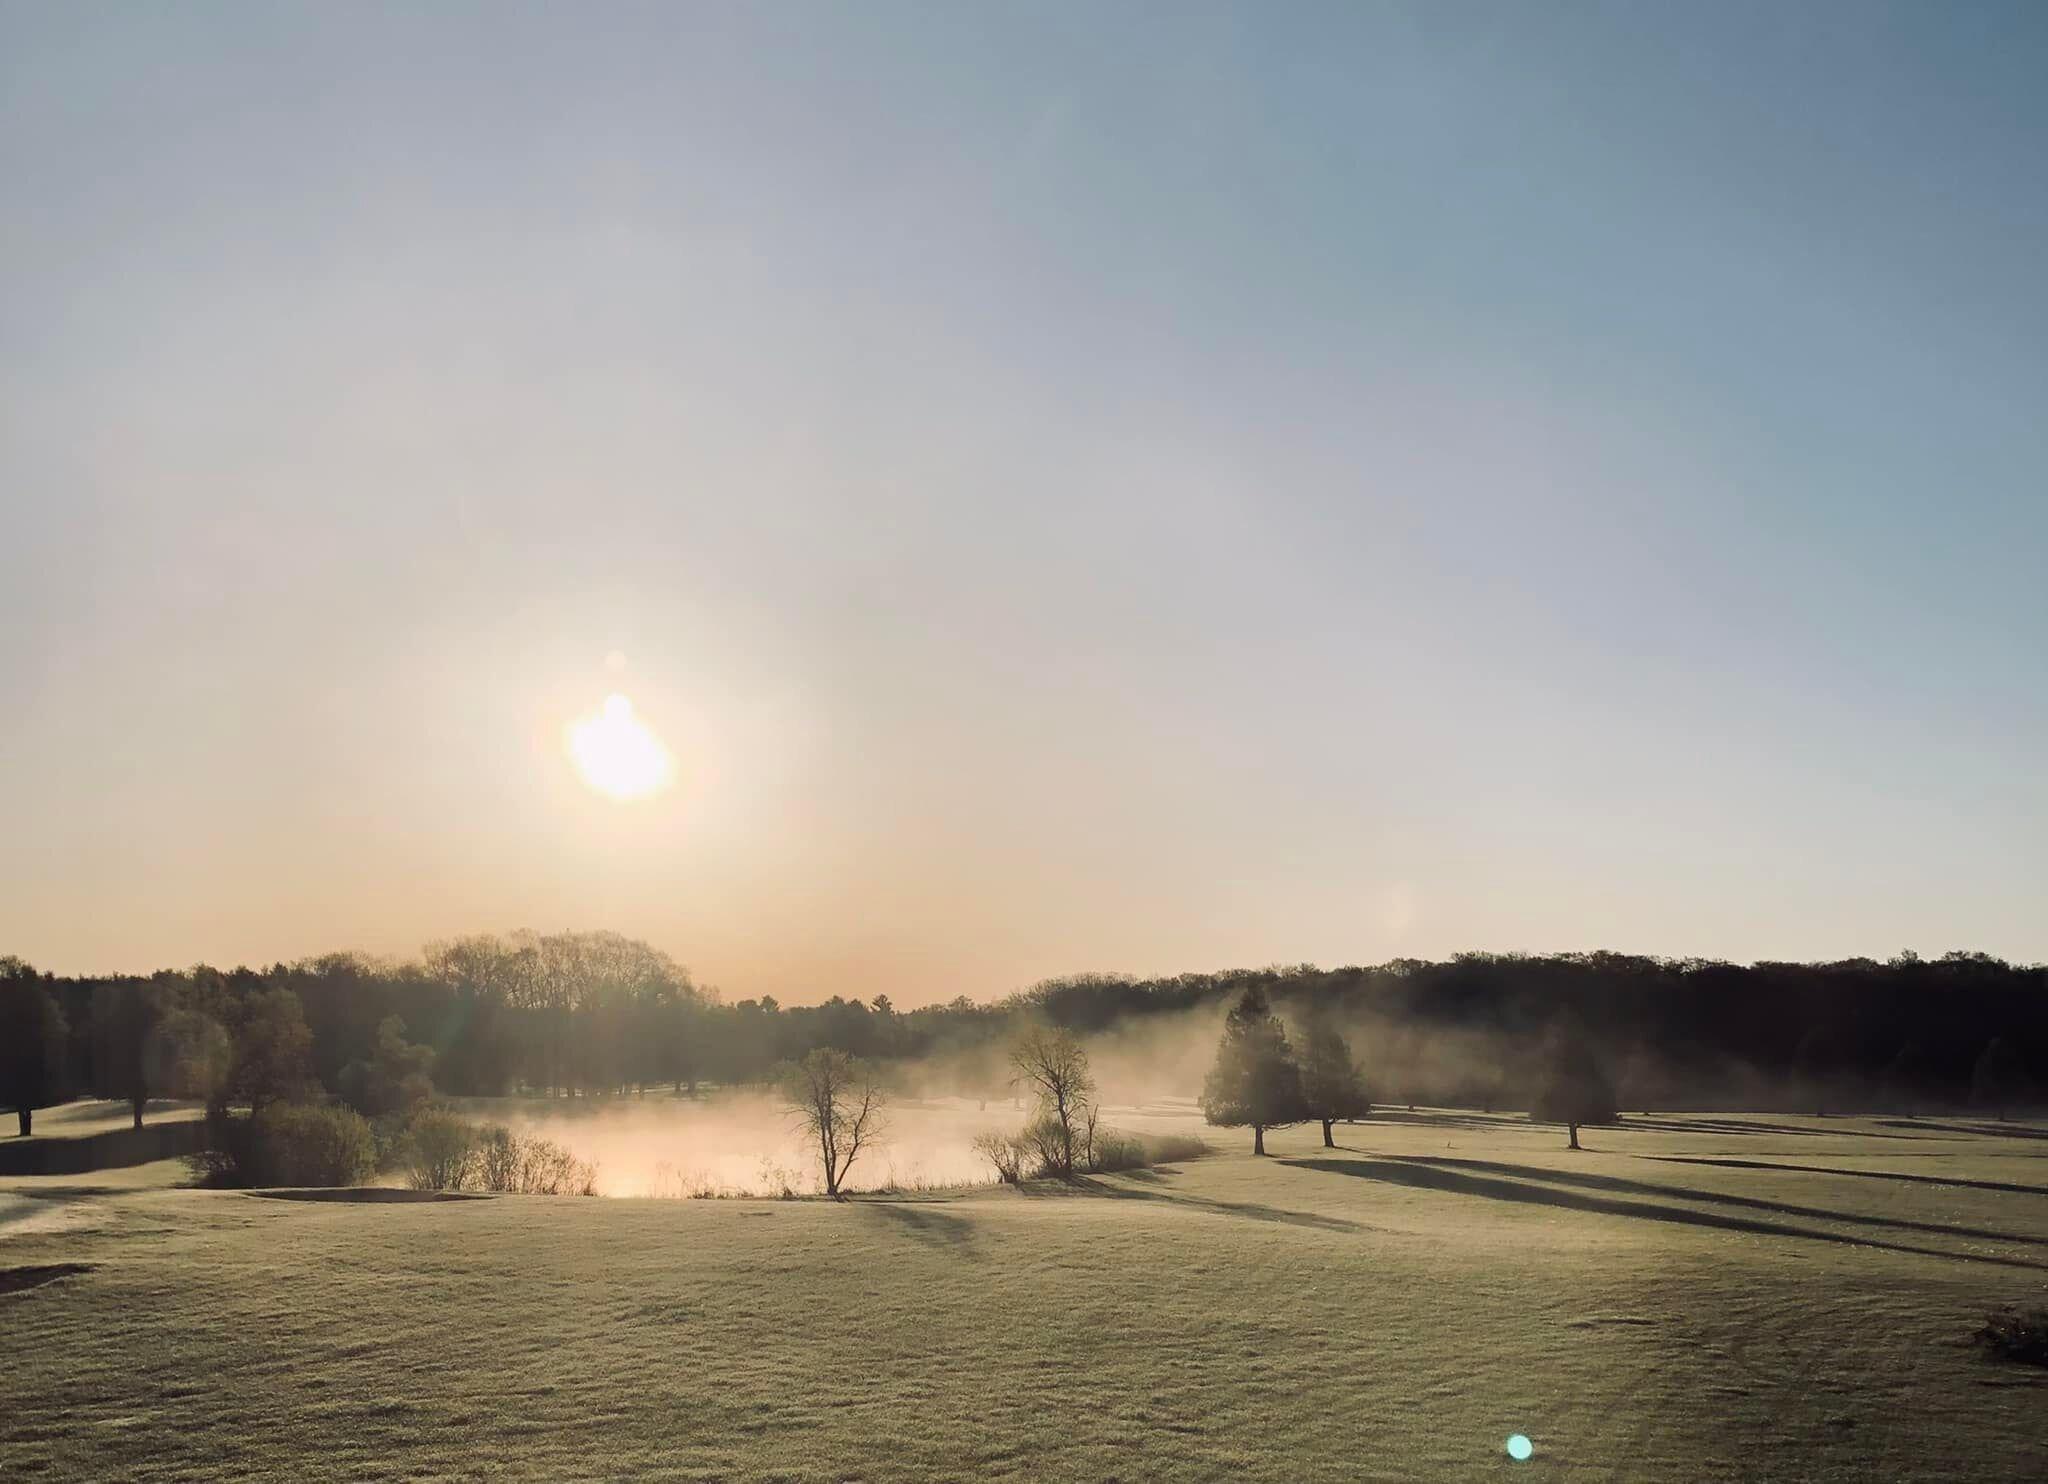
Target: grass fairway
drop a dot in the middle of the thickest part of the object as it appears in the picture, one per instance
(1692, 1298)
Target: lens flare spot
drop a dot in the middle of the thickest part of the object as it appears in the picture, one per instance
(617, 754)
(1519, 1448)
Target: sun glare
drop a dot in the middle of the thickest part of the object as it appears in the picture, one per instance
(617, 754)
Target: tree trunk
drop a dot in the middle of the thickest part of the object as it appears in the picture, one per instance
(1575, 1135)
(24, 1116)
(1328, 1142)
(138, 1102)
(1258, 1138)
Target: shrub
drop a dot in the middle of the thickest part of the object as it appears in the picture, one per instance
(440, 1151)
(497, 1159)
(1006, 1152)
(1110, 1151)
(527, 1166)
(1035, 1153)
(460, 1156)
(1042, 1147)
(319, 1146)
(2020, 1335)
(1165, 1149)
(289, 1144)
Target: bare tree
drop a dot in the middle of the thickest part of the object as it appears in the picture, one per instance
(839, 1102)
(1006, 1152)
(1051, 1060)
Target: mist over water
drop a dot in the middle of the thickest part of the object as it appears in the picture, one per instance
(747, 1143)
(1148, 1073)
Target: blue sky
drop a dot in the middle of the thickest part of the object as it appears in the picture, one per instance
(1129, 487)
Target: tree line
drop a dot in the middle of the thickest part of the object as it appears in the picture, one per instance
(595, 1014)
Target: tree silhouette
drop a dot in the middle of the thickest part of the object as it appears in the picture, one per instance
(1814, 1063)
(188, 1055)
(1332, 1087)
(1256, 1081)
(273, 1050)
(123, 1016)
(838, 1100)
(32, 1044)
(397, 1078)
(2000, 1077)
(1903, 1078)
(1051, 1061)
(1575, 1088)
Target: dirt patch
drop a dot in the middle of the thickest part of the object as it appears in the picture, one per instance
(19, 1280)
(365, 1195)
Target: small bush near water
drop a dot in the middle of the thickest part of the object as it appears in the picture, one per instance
(289, 1144)
(777, 1182)
(1028, 1156)
(439, 1151)
(443, 1151)
(2020, 1335)
(1005, 1152)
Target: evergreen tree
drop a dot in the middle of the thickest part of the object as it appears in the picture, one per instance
(1332, 1086)
(397, 1077)
(1256, 1081)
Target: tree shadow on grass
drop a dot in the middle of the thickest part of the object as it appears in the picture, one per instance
(1624, 1186)
(1984, 1130)
(1087, 1186)
(365, 1195)
(1764, 1164)
(1455, 1182)
(918, 1219)
(1666, 1123)
(1439, 1118)
(19, 1280)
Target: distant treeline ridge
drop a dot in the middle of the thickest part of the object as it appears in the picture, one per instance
(597, 1013)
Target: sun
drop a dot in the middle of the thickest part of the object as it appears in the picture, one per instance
(617, 754)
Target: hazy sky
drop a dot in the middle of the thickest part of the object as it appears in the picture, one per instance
(1113, 486)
